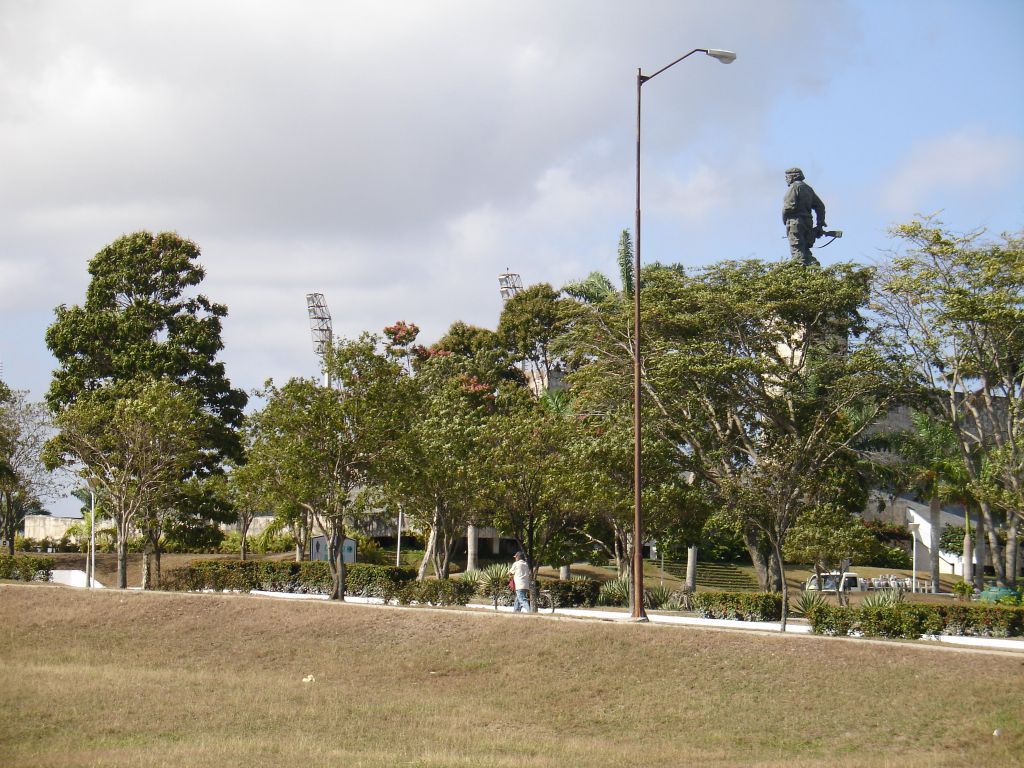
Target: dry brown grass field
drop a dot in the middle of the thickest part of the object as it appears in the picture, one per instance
(153, 679)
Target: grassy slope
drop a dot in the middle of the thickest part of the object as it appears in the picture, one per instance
(112, 679)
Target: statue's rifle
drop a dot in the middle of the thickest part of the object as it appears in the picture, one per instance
(835, 234)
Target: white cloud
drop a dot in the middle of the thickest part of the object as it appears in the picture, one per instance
(944, 169)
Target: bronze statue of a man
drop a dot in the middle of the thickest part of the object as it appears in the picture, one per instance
(797, 206)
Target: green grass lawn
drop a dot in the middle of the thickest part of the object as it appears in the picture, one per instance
(125, 679)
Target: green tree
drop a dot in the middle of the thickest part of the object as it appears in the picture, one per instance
(529, 323)
(525, 469)
(313, 449)
(429, 470)
(442, 401)
(954, 305)
(825, 536)
(132, 442)
(24, 481)
(143, 320)
(754, 373)
(305, 453)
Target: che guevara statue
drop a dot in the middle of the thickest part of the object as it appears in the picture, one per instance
(797, 207)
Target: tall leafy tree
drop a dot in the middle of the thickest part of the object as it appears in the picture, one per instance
(954, 305)
(133, 442)
(144, 319)
(529, 322)
(826, 535)
(304, 451)
(24, 481)
(314, 448)
(757, 373)
(525, 469)
(754, 374)
(444, 397)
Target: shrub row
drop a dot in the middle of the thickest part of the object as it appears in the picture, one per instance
(26, 568)
(740, 606)
(434, 592)
(575, 593)
(313, 578)
(911, 621)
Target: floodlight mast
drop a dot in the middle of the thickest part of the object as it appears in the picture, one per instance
(320, 326)
(509, 284)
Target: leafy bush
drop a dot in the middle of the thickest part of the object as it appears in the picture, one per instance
(908, 620)
(574, 593)
(891, 620)
(740, 606)
(193, 536)
(963, 589)
(614, 592)
(272, 540)
(300, 578)
(833, 620)
(231, 544)
(45, 544)
(370, 552)
(26, 568)
(996, 621)
(436, 592)
(883, 556)
(376, 580)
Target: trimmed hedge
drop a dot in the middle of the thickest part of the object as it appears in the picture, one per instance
(575, 593)
(911, 621)
(26, 568)
(377, 580)
(313, 578)
(436, 592)
(739, 606)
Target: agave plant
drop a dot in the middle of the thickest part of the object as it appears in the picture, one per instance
(493, 582)
(614, 592)
(883, 598)
(655, 597)
(807, 602)
(473, 576)
(678, 601)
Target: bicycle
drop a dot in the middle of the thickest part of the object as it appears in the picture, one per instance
(545, 600)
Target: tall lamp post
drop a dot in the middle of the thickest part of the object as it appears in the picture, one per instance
(638, 612)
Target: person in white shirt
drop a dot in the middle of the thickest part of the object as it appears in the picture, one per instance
(520, 573)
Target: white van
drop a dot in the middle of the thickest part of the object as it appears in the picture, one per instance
(851, 582)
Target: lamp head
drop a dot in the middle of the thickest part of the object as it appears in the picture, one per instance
(726, 57)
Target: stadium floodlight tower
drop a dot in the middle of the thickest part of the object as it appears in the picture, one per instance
(509, 283)
(320, 326)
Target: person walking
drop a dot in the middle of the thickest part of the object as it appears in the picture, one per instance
(520, 573)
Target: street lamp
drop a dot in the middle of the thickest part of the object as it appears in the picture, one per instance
(638, 613)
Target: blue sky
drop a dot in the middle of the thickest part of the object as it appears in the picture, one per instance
(397, 156)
